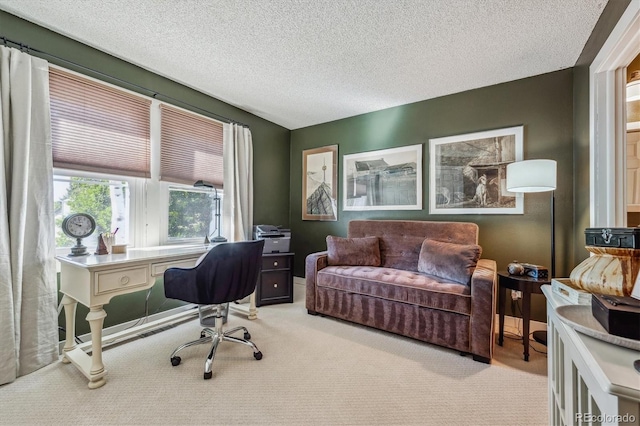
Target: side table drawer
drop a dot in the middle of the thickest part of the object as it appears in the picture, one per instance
(107, 281)
(275, 262)
(274, 285)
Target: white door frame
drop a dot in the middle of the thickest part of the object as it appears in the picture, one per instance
(607, 95)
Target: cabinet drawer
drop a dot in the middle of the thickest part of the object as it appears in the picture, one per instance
(274, 285)
(158, 269)
(108, 281)
(275, 262)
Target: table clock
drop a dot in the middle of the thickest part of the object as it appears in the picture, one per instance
(78, 226)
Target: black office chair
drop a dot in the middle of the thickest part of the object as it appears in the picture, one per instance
(228, 272)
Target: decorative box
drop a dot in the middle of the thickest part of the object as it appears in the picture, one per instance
(563, 287)
(613, 237)
(618, 315)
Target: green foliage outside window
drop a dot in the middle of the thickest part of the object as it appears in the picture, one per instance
(85, 196)
(190, 214)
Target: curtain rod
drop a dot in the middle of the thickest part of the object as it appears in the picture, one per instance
(154, 94)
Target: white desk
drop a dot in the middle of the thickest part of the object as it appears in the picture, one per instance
(94, 280)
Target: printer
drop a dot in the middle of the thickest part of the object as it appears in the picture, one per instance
(276, 239)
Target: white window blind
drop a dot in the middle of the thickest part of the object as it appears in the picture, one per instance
(98, 128)
(190, 147)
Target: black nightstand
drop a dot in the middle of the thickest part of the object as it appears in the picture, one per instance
(275, 284)
(527, 286)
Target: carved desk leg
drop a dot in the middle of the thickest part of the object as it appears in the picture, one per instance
(253, 312)
(70, 305)
(95, 317)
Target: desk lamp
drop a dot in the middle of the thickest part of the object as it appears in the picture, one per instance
(216, 199)
(536, 176)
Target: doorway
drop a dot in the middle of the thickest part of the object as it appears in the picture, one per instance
(608, 133)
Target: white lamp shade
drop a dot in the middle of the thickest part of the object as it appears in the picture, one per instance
(531, 176)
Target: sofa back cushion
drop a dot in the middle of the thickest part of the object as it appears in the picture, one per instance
(353, 251)
(401, 240)
(454, 262)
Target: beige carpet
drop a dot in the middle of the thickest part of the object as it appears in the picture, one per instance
(315, 371)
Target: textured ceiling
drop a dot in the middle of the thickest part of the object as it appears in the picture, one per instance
(302, 62)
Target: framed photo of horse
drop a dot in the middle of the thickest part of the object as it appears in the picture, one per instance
(468, 173)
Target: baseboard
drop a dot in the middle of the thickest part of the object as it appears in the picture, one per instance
(128, 330)
(514, 325)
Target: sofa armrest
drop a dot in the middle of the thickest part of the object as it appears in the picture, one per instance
(483, 308)
(313, 263)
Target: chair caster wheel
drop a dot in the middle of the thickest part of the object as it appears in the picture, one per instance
(175, 360)
(208, 375)
(257, 355)
(202, 334)
(247, 336)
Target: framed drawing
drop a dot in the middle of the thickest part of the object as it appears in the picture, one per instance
(389, 179)
(320, 183)
(468, 173)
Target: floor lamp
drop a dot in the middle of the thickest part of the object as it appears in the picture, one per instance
(218, 238)
(536, 176)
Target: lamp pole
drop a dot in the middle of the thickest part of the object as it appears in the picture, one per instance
(553, 234)
(216, 199)
(218, 238)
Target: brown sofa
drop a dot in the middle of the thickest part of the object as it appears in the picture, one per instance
(420, 279)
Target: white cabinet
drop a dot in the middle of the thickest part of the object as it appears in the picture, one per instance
(591, 382)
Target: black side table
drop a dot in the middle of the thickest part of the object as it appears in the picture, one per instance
(527, 286)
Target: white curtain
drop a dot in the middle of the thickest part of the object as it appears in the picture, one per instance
(28, 291)
(238, 183)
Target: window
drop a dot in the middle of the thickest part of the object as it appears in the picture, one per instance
(131, 163)
(97, 128)
(107, 200)
(191, 214)
(187, 138)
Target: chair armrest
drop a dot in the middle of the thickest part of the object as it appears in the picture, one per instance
(313, 263)
(483, 308)
(174, 284)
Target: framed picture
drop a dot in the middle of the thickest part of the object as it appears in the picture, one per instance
(389, 179)
(468, 173)
(320, 183)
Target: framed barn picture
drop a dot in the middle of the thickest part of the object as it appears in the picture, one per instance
(389, 179)
(468, 173)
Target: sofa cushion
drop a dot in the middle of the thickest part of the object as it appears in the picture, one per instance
(353, 251)
(401, 240)
(454, 262)
(399, 286)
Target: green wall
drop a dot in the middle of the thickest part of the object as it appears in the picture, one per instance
(270, 141)
(554, 109)
(542, 104)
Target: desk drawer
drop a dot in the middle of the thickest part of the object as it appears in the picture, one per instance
(107, 281)
(274, 285)
(275, 262)
(157, 269)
